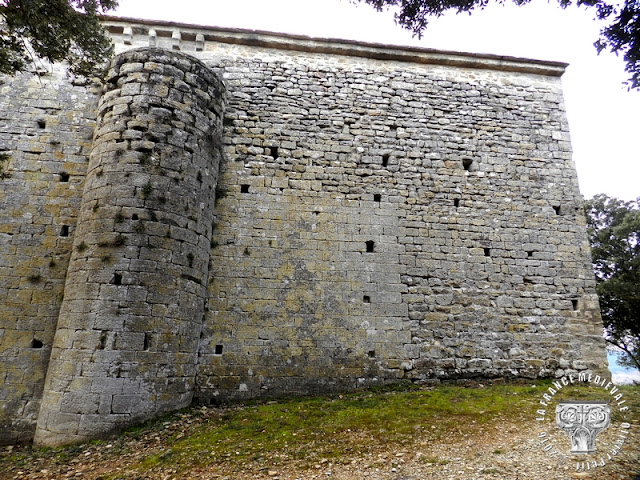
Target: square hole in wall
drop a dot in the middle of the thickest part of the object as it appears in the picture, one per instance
(64, 176)
(244, 188)
(371, 353)
(487, 252)
(103, 340)
(369, 246)
(377, 197)
(64, 231)
(218, 349)
(366, 299)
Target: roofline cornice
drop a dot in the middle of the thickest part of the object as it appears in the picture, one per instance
(332, 46)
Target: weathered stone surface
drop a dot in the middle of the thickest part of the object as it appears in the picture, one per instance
(46, 126)
(131, 204)
(363, 214)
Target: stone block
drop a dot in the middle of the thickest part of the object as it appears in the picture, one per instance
(79, 402)
(63, 424)
(125, 404)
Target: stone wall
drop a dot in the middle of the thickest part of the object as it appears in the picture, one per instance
(389, 221)
(46, 127)
(363, 214)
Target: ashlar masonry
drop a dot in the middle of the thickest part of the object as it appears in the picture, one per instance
(237, 214)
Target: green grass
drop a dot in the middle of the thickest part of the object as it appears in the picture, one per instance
(311, 430)
(434, 461)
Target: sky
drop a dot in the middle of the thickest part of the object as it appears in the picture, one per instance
(602, 113)
(619, 374)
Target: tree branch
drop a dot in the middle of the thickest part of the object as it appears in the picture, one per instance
(622, 346)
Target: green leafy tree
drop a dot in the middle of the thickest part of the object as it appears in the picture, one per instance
(622, 35)
(55, 30)
(615, 246)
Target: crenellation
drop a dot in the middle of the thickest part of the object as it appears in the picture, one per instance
(269, 215)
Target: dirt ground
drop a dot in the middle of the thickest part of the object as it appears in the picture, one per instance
(499, 450)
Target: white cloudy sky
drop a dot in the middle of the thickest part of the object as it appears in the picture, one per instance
(619, 374)
(603, 115)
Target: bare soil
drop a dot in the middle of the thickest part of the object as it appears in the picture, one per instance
(500, 449)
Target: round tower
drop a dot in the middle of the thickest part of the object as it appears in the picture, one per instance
(128, 330)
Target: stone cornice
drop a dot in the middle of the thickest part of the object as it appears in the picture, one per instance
(301, 43)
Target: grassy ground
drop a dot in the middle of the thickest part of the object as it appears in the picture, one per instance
(312, 429)
(303, 431)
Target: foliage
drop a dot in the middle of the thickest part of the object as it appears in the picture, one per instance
(614, 227)
(54, 30)
(622, 35)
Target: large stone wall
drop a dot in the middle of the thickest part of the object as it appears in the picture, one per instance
(378, 214)
(391, 221)
(46, 127)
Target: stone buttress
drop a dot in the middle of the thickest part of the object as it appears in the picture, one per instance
(127, 338)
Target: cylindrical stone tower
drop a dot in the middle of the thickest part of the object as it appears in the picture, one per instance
(128, 331)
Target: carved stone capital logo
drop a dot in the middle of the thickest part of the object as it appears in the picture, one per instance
(583, 421)
(597, 428)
